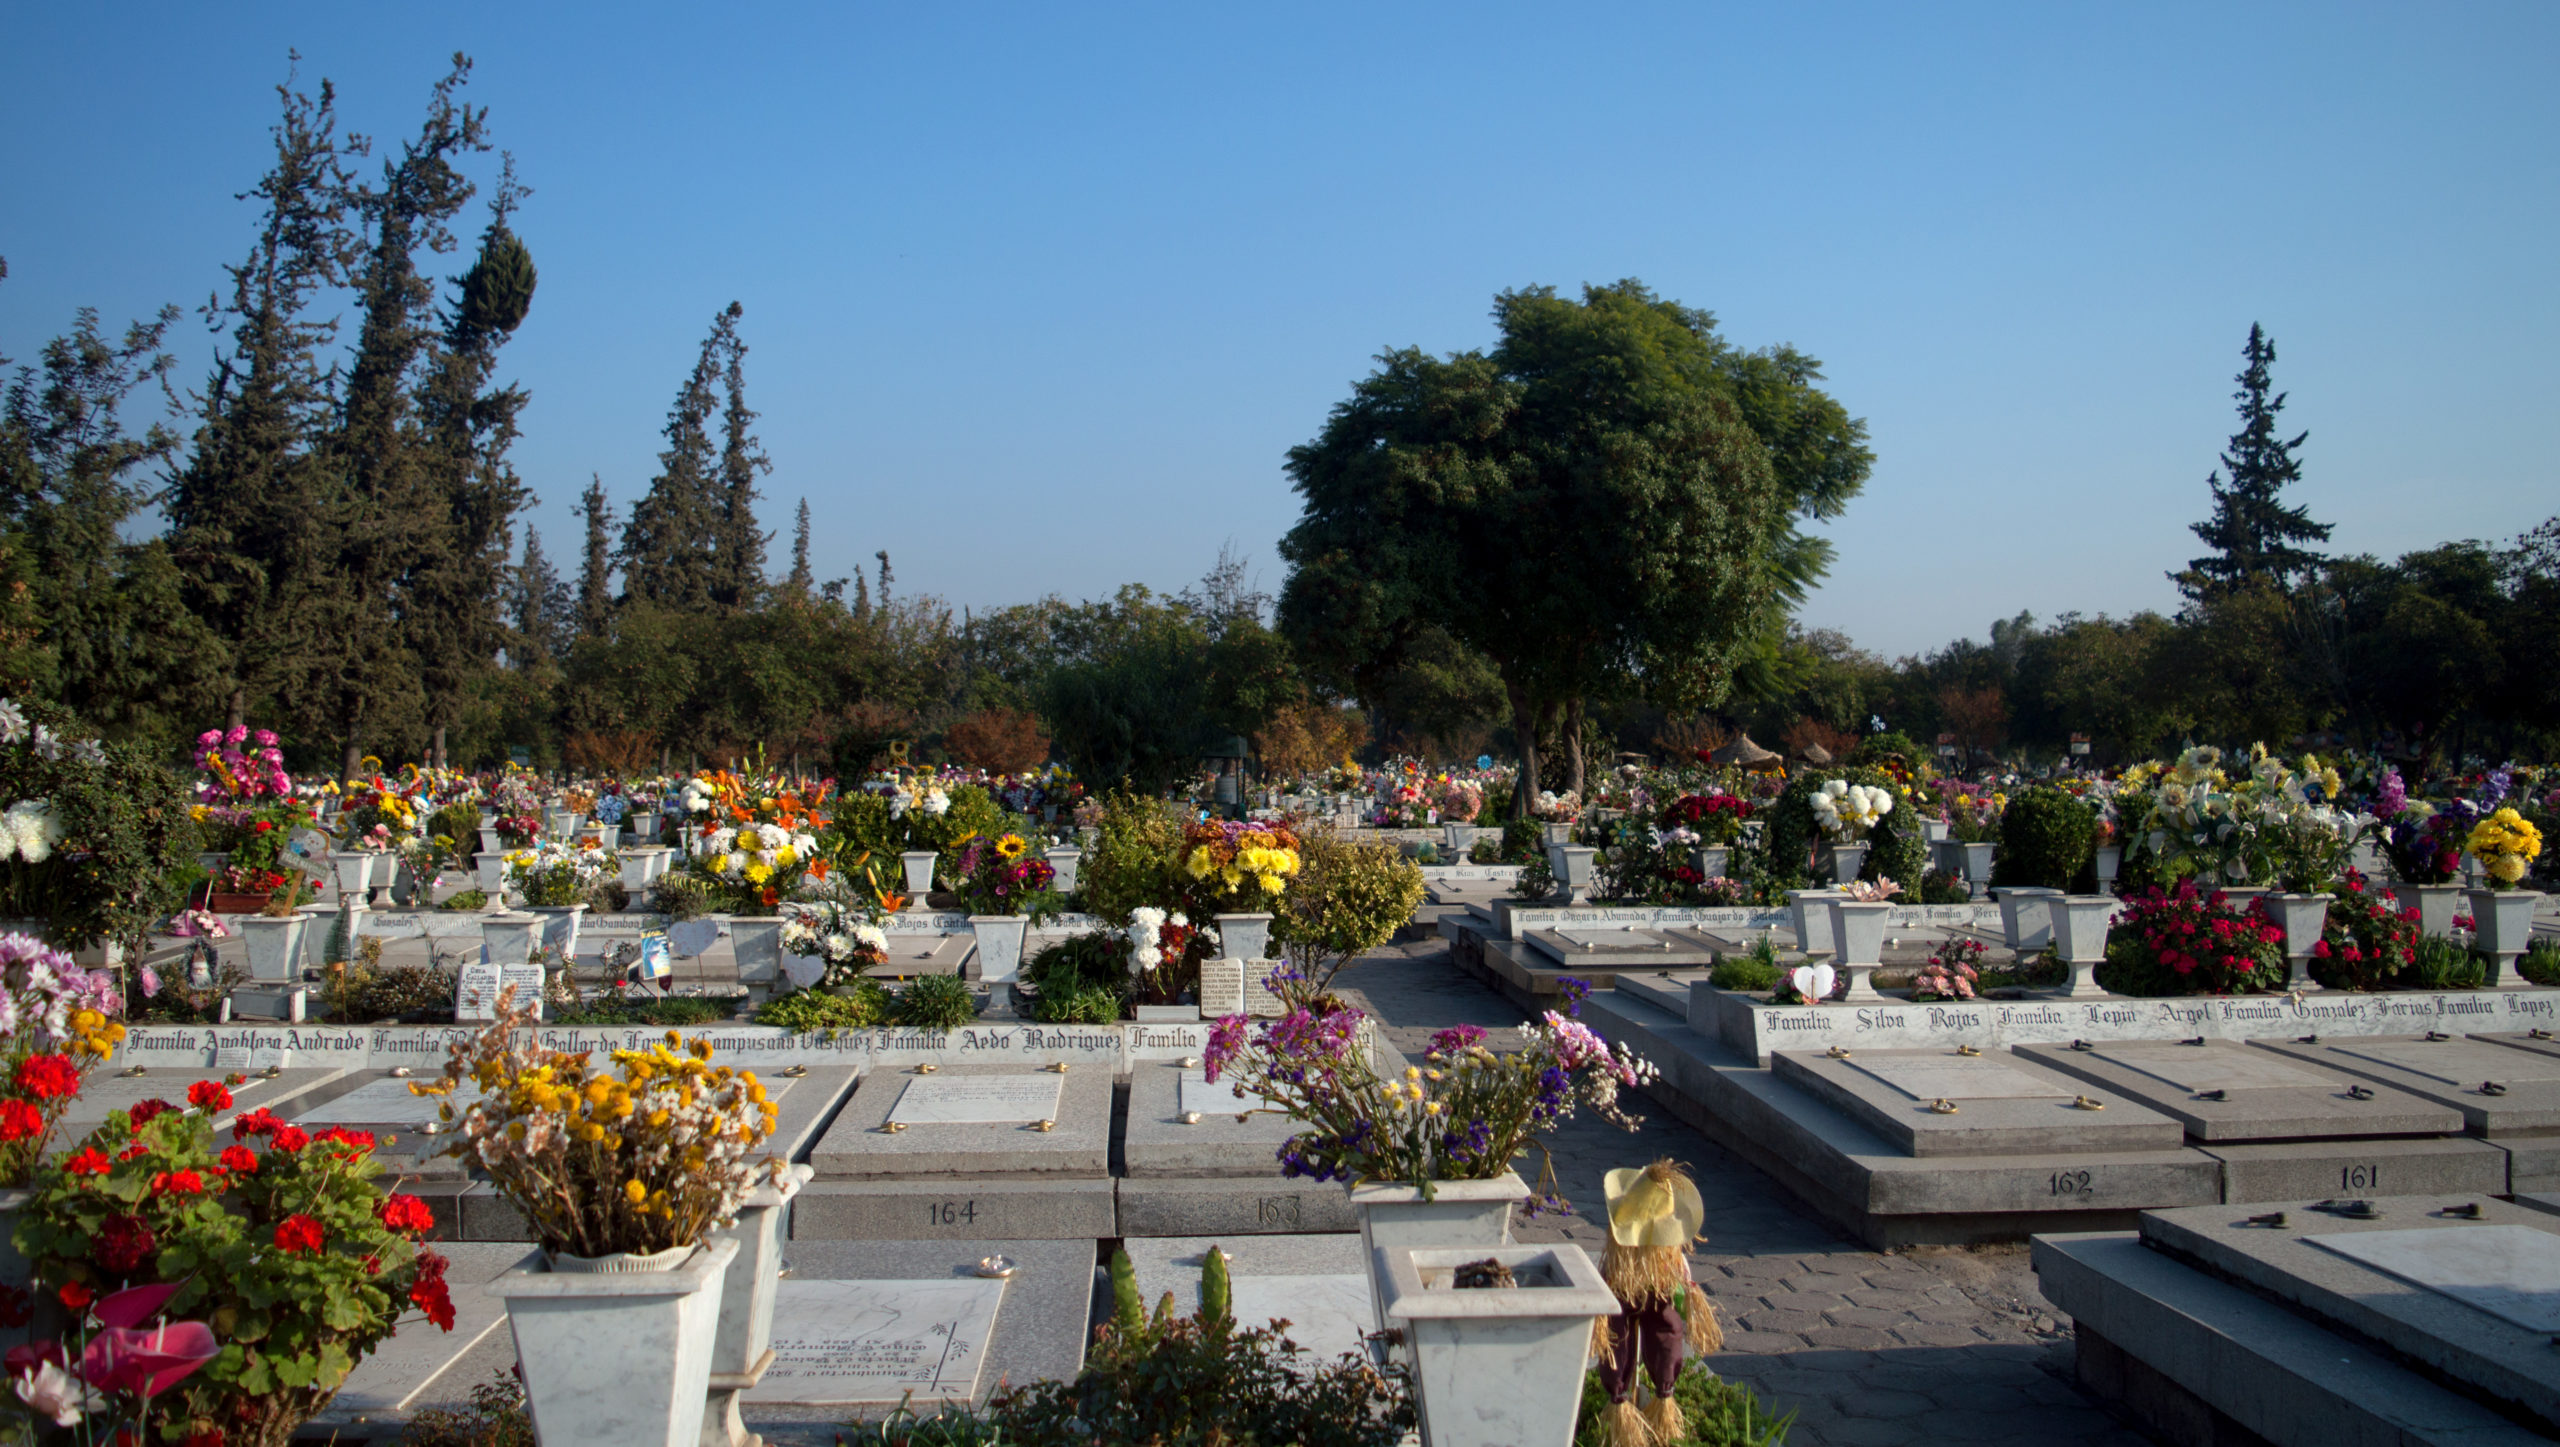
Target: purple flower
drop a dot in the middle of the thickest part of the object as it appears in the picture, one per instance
(1572, 992)
(1457, 1038)
(1226, 1039)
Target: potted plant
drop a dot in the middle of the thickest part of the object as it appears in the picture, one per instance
(1237, 873)
(828, 945)
(559, 882)
(1425, 1155)
(282, 1240)
(1708, 825)
(2506, 843)
(1845, 812)
(1497, 1336)
(623, 1170)
(1005, 890)
(275, 934)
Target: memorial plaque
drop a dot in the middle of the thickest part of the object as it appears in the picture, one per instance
(1219, 1097)
(860, 1343)
(2510, 1272)
(1957, 1077)
(977, 1099)
(2455, 1062)
(912, 955)
(2200, 1069)
(1260, 1000)
(1221, 988)
(475, 994)
(1328, 1315)
(1611, 941)
(694, 937)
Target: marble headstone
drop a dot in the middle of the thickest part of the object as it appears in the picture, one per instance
(1221, 988)
(859, 1343)
(977, 1099)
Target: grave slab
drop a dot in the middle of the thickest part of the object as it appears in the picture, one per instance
(1623, 948)
(408, 1366)
(1058, 1207)
(830, 1330)
(2312, 1263)
(913, 955)
(2003, 1106)
(108, 1090)
(2450, 1072)
(878, 1343)
(856, 1146)
(2262, 1096)
(2292, 1170)
(1318, 1284)
(1230, 1205)
(1158, 1143)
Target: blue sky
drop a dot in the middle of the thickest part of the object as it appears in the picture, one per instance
(1038, 296)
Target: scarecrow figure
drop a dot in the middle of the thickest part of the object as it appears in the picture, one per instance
(1654, 1214)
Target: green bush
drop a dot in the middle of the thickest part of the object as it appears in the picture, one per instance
(1895, 847)
(1348, 899)
(674, 1010)
(2048, 839)
(2443, 965)
(468, 899)
(680, 895)
(127, 841)
(1875, 749)
(1077, 1005)
(2541, 964)
(1752, 971)
(1718, 1413)
(935, 1002)
(397, 992)
(1131, 859)
(815, 1012)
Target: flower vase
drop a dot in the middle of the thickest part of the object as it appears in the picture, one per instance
(619, 1357)
(1846, 861)
(919, 866)
(1711, 860)
(1244, 936)
(757, 944)
(2436, 905)
(352, 871)
(1812, 921)
(1559, 833)
(742, 1347)
(275, 946)
(1062, 862)
(559, 823)
(1459, 1213)
(490, 843)
(1459, 838)
(1857, 937)
(1000, 949)
(2110, 864)
(1499, 1366)
(2502, 920)
(559, 927)
(509, 938)
(2302, 917)
(1977, 867)
(2080, 938)
(2026, 924)
(1571, 864)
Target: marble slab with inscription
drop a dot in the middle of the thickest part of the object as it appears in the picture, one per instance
(862, 1343)
(977, 1099)
(1957, 1077)
(1219, 1097)
(1221, 988)
(2511, 1272)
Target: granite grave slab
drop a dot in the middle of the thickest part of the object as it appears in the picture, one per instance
(878, 1343)
(910, 955)
(2001, 1106)
(1007, 1141)
(2450, 1071)
(108, 1090)
(1158, 1142)
(2221, 1090)
(1624, 948)
(1318, 1284)
(1003, 1098)
(409, 1365)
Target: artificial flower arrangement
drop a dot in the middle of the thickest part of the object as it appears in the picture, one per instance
(2506, 844)
(1954, 972)
(553, 873)
(1464, 1114)
(1458, 800)
(847, 941)
(1001, 876)
(377, 816)
(753, 841)
(642, 1154)
(56, 1025)
(1237, 867)
(281, 1240)
(1165, 951)
(1846, 811)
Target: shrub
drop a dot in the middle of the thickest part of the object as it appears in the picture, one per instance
(2369, 940)
(2048, 839)
(673, 1010)
(1078, 1005)
(998, 740)
(1895, 849)
(1132, 860)
(468, 899)
(2188, 942)
(2540, 965)
(2443, 965)
(1878, 749)
(680, 895)
(121, 834)
(497, 1417)
(1754, 970)
(935, 1002)
(1347, 899)
(812, 1012)
(364, 990)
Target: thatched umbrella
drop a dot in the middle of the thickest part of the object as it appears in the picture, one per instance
(1817, 755)
(1746, 753)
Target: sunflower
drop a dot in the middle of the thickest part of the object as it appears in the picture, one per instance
(1010, 847)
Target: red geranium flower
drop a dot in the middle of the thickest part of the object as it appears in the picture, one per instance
(133, 1152)
(19, 1119)
(240, 1159)
(407, 1213)
(87, 1161)
(75, 1297)
(429, 1293)
(124, 1243)
(358, 1140)
(299, 1233)
(177, 1183)
(48, 1077)
(290, 1139)
(208, 1095)
(144, 1112)
(261, 1121)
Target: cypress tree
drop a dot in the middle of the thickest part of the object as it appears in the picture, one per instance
(540, 609)
(595, 563)
(2255, 536)
(672, 546)
(740, 567)
(800, 580)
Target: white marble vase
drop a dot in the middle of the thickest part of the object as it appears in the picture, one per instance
(2026, 923)
(1062, 862)
(1496, 1366)
(2302, 917)
(2502, 920)
(509, 938)
(1459, 1213)
(1458, 839)
(742, 1348)
(1244, 936)
(1000, 947)
(1977, 866)
(2436, 905)
(1857, 937)
(1711, 860)
(618, 1359)
(2080, 936)
(1812, 921)
(1846, 861)
(1571, 864)
(919, 866)
(275, 945)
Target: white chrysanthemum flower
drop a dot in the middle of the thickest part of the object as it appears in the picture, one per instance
(13, 722)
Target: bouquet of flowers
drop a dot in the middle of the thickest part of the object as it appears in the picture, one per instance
(1846, 811)
(1464, 1114)
(1002, 876)
(847, 940)
(554, 874)
(755, 842)
(1953, 973)
(1714, 818)
(1458, 800)
(641, 1157)
(241, 767)
(2186, 941)
(55, 1027)
(1238, 868)
(377, 816)
(1972, 815)
(1165, 951)
(2368, 939)
(2506, 844)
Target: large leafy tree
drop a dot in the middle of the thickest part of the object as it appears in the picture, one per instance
(2256, 536)
(1586, 506)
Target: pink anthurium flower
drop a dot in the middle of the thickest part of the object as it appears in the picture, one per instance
(147, 1363)
(134, 1305)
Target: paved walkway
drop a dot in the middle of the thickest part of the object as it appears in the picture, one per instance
(1869, 1349)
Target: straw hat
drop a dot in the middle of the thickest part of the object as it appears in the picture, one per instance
(1744, 752)
(1653, 1206)
(1816, 754)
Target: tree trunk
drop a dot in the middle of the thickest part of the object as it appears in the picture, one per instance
(1524, 722)
(443, 760)
(1574, 761)
(239, 708)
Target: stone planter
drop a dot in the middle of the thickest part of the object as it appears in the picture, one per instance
(275, 946)
(642, 824)
(608, 837)
(1976, 859)
(2080, 937)
(1711, 860)
(493, 875)
(352, 871)
(559, 823)
(1572, 866)
(2436, 905)
(1857, 940)
(490, 843)
(1459, 1213)
(757, 943)
(2110, 864)
(1000, 946)
(2503, 920)
(559, 926)
(1812, 921)
(1063, 861)
(919, 866)
(509, 938)
(1496, 1366)
(618, 1359)
(1458, 839)
(1244, 936)
(1933, 831)
(634, 865)
(1559, 833)
(2026, 925)
(1846, 861)
(742, 1347)
(2302, 917)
